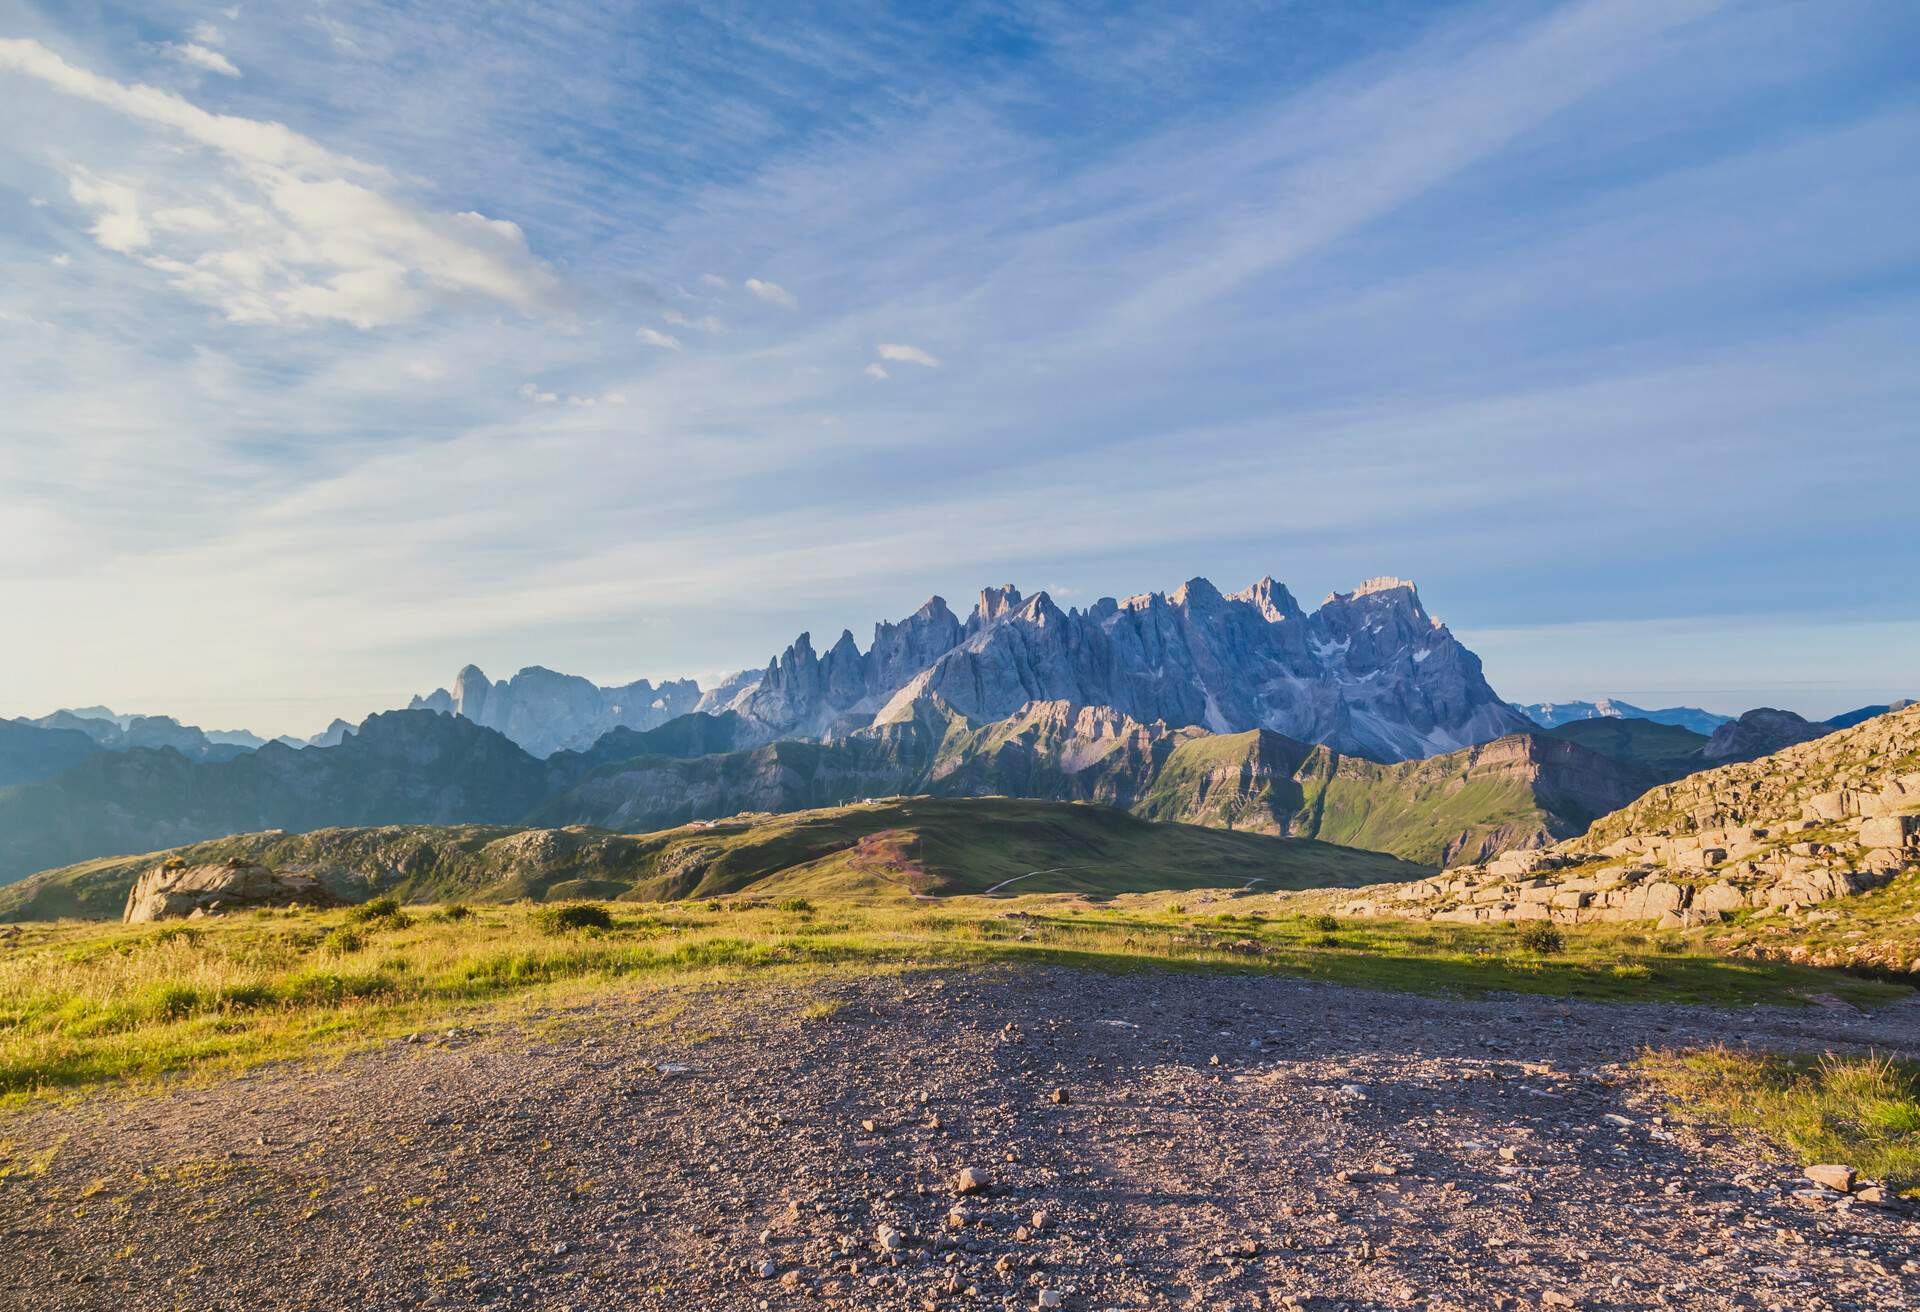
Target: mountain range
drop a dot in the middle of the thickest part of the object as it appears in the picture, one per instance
(1363, 722)
(423, 767)
(1551, 715)
(1368, 672)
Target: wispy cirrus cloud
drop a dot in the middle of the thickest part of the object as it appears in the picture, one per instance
(269, 226)
(202, 57)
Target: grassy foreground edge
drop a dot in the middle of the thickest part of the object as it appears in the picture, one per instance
(85, 1005)
(1861, 1111)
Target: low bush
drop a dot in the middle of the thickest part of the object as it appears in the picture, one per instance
(342, 941)
(380, 913)
(1542, 936)
(572, 917)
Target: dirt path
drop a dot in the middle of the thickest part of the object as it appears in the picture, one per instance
(1349, 1149)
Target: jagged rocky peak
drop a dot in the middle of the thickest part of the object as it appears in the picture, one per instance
(546, 711)
(1199, 592)
(334, 733)
(1271, 598)
(995, 604)
(902, 650)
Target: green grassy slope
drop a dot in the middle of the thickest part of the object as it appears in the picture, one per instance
(1666, 749)
(900, 847)
(1520, 790)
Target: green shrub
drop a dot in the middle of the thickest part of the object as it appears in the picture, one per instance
(455, 911)
(1325, 924)
(572, 917)
(342, 941)
(1542, 936)
(796, 904)
(380, 913)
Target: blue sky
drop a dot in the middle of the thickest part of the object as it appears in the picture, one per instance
(345, 343)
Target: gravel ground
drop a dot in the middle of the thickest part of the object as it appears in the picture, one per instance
(1217, 1142)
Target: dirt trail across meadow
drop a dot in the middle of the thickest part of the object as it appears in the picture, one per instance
(1226, 1142)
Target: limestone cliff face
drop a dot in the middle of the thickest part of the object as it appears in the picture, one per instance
(809, 696)
(547, 712)
(1368, 672)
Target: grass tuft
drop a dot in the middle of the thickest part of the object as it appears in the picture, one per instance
(1860, 1111)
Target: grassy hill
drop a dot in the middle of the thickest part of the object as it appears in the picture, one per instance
(894, 848)
(1523, 790)
(1666, 750)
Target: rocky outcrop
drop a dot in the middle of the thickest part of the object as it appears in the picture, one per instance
(1825, 819)
(1760, 732)
(546, 712)
(174, 890)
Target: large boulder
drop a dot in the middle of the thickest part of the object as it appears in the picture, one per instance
(175, 890)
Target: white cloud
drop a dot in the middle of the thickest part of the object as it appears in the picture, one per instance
(773, 293)
(202, 57)
(118, 225)
(712, 280)
(706, 323)
(876, 370)
(207, 34)
(270, 226)
(903, 354)
(654, 337)
(62, 261)
(531, 393)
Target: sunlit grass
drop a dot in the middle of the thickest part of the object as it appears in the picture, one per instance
(1859, 1111)
(83, 1004)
